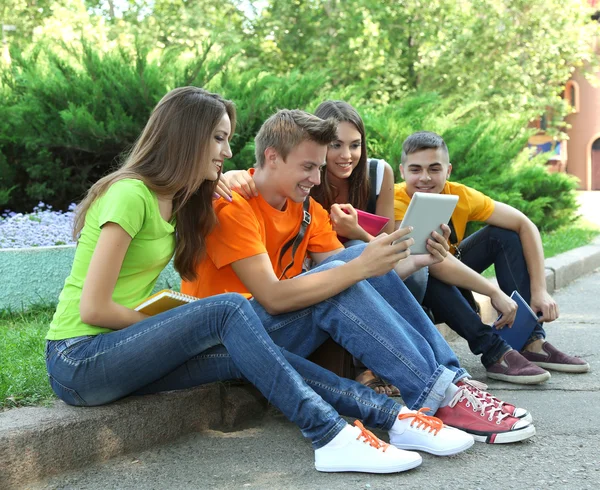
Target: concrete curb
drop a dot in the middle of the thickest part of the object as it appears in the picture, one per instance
(38, 442)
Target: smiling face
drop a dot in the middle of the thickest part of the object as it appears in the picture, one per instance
(218, 148)
(344, 153)
(299, 173)
(426, 171)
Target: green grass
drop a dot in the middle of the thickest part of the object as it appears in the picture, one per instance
(23, 379)
(566, 238)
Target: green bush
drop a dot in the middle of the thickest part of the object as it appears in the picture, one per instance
(488, 155)
(65, 119)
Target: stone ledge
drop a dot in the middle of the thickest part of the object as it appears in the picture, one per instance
(38, 442)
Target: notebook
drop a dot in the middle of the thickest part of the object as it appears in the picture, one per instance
(525, 322)
(371, 223)
(162, 301)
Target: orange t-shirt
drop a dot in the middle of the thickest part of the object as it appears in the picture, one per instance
(472, 205)
(250, 227)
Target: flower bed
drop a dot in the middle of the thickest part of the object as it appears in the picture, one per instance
(42, 228)
(36, 253)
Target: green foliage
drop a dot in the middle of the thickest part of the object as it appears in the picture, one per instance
(23, 378)
(65, 119)
(486, 154)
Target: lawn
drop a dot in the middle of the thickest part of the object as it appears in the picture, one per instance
(23, 379)
(566, 238)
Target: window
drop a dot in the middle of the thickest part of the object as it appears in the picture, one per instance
(571, 94)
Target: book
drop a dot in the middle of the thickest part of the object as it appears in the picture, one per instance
(371, 223)
(522, 327)
(162, 301)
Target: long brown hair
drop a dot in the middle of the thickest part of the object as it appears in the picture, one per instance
(170, 157)
(358, 182)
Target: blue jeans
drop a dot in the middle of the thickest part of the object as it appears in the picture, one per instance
(503, 248)
(94, 370)
(379, 322)
(448, 305)
(416, 284)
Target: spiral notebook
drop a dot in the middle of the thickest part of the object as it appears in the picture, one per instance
(162, 301)
(522, 328)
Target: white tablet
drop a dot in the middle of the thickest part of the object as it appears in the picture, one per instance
(426, 213)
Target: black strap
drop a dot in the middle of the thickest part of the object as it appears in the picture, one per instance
(372, 202)
(297, 240)
(454, 240)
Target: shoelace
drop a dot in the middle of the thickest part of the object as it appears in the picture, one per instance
(478, 388)
(423, 421)
(370, 438)
(479, 404)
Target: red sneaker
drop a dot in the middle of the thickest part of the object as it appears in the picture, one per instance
(484, 421)
(478, 389)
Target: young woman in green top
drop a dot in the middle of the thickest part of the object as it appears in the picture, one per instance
(159, 203)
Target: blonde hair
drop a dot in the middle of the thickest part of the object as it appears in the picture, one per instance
(170, 157)
(286, 129)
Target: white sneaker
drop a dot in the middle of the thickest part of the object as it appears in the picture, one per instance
(419, 432)
(357, 449)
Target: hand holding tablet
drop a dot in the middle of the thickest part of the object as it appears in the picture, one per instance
(426, 213)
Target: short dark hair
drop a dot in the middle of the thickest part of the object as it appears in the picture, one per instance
(286, 129)
(422, 140)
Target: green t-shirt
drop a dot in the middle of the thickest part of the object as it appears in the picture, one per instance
(134, 207)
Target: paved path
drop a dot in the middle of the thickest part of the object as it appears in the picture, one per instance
(589, 202)
(565, 453)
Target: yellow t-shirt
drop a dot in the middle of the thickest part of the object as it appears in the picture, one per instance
(472, 205)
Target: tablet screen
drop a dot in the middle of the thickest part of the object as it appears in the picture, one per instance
(426, 213)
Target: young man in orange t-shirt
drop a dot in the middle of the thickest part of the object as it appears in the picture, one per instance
(258, 248)
(510, 241)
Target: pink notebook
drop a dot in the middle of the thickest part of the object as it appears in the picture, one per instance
(371, 223)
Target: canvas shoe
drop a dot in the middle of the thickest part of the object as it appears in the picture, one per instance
(553, 359)
(419, 432)
(485, 421)
(478, 389)
(514, 368)
(357, 449)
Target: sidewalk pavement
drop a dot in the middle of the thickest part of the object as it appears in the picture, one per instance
(36, 443)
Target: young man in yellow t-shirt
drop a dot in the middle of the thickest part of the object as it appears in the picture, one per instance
(510, 241)
(352, 295)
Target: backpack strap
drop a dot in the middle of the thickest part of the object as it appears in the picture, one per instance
(454, 240)
(372, 202)
(295, 242)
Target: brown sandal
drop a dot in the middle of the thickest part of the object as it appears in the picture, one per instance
(377, 382)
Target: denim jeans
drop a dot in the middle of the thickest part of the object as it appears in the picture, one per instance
(94, 370)
(503, 248)
(448, 305)
(416, 284)
(379, 322)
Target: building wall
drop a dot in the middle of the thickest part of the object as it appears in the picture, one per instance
(585, 128)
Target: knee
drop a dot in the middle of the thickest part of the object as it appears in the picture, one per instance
(507, 238)
(330, 264)
(235, 301)
(349, 253)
